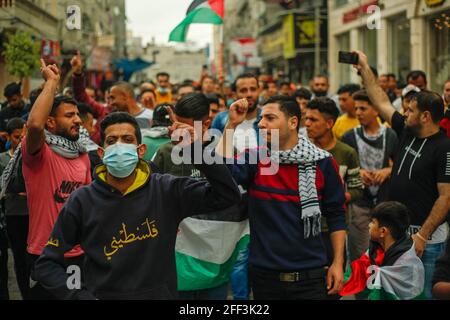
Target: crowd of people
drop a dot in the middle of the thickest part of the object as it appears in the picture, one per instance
(358, 205)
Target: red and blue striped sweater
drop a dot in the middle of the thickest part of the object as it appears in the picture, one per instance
(276, 228)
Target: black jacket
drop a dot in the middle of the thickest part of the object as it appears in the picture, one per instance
(129, 241)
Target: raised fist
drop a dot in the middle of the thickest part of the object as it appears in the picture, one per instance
(50, 72)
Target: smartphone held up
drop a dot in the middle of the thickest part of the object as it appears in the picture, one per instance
(348, 57)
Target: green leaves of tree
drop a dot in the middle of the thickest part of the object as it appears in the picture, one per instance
(21, 54)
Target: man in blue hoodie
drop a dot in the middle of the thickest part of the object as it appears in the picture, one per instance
(126, 221)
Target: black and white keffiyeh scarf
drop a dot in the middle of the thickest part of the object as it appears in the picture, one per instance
(305, 155)
(60, 145)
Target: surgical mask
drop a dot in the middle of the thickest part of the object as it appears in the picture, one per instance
(121, 159)
(163, 90)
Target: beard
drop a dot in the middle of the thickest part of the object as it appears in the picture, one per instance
(65, 133)
(320, 93)
(252, 107)
(413, 129)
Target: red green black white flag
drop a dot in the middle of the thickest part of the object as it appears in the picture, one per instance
(200, 11)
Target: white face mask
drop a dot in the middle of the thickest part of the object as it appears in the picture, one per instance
(121, 159)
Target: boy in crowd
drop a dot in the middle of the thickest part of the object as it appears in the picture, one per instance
(398, 272)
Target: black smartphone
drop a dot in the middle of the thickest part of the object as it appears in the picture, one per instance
(348, 57)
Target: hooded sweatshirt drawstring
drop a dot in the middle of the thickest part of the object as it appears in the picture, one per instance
(415, 158)
(404, 157)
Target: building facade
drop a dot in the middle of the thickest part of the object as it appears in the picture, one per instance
(412, 35)
(293, 39)
(180, 62)
(240, 32)
(290, 38)
(27, 16)
(101, 39)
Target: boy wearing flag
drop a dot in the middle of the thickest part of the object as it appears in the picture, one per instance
(390, 269)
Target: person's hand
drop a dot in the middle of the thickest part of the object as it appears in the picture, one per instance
(237, 113)
(77, 63)
(335, 279)
(348, 197)
(367, 177)
(380, 176)
(50, 72)
(363, 61)
(419, 244)
(182, 134)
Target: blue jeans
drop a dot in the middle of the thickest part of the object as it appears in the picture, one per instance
(239, 276)
(217, 293)
(430, 255)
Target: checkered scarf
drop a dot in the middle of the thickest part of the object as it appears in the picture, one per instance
(305, 155)
(60, 145)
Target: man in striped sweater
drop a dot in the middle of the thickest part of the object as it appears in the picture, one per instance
(290, 188)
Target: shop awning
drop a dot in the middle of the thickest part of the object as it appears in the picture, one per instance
(131, 66)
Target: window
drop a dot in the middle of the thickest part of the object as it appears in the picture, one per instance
(440, 49)
(340, 3)
(344, 69)
(400, 46)
(368, 44)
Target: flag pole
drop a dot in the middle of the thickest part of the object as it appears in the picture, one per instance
(221, 49)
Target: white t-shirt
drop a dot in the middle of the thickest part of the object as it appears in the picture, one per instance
(245, 136)
(144, 118)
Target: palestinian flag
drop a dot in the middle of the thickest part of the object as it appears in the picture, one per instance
(206, 251)
(397, 274)
(200, 11)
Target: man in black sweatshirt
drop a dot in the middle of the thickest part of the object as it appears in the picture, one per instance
(126, 221)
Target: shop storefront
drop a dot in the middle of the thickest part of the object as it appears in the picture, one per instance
(271, 48)
(414, 34)
(288, 47)
(439, 25)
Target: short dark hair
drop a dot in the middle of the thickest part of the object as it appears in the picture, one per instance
(161, 116)
(186, 85)
(148, 91)
(391, 75)
(58, 101)
(285, 83)
(14, 124)
(325, 106)
(350, 88)
(162, 74)
(303, 93)
(212, 98)
(193, 106)
(393, 216)
(288, 105)
(362, 95)
(84, 110)
(126, 87)
(415, 74)
(321, 76)
(401, 84)
(34, 94)
(12, 89)
(207, 77)
(243, 76)
(431, 102)
(117, 118)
